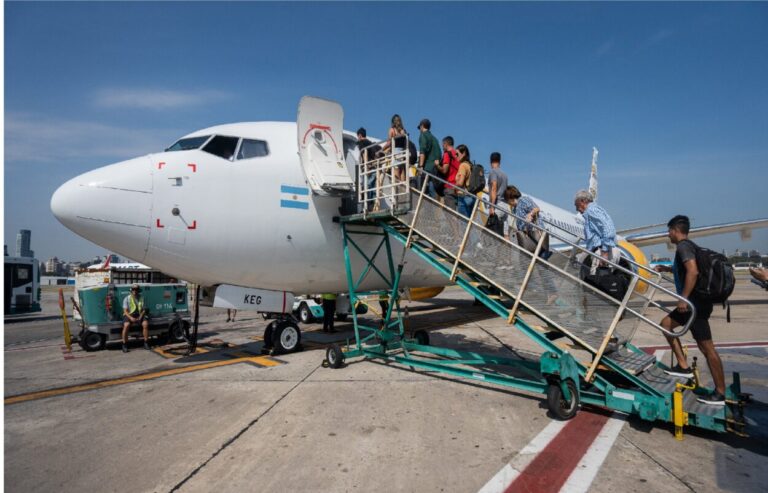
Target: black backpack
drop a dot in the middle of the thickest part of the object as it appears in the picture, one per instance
(614, 284)
(476, 179)
(412, 153)
(716, 278)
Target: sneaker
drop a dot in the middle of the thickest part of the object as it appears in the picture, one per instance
(680, 372)
(146, 345)
(714, 399)
(125, 348)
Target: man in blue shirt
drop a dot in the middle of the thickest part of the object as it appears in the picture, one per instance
(599, 231)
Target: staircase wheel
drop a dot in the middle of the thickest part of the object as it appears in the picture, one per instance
(422, 337)
(561, 408)
(334, 356)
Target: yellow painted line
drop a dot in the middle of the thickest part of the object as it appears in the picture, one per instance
(136, 378)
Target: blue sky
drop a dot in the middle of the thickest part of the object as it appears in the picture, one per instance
(673, 95)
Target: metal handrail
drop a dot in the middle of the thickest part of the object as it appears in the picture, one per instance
(382, 166)
(614, 265)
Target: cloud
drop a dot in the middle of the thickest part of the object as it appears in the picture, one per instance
(604, 48)
(156, 99)
(656, 38)
(33, 138)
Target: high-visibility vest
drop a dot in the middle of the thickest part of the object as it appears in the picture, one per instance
(133, 306)
(329, 296)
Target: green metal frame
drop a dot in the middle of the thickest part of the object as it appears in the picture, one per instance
(388, 342)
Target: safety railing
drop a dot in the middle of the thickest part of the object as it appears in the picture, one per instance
(382, 178)
(554, 288)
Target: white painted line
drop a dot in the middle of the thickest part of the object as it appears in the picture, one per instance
(508, 473)
(581, 478)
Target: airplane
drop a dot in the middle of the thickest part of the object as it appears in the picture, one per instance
(248, 209)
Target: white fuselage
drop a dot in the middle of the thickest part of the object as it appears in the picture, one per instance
(210, 220)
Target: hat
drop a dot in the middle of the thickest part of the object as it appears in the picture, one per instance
(136, 287)
(425, 123)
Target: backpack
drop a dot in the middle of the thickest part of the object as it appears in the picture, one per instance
(412, 153)
(476, 179)
(613, 284)
(716, 278)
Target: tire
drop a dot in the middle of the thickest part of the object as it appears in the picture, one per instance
(176, 332)
(422, 337)
(557, 405)
(93, 341)
(342, 317)
(286, 338)
(305, 314)
(268, 333)
(334, 356)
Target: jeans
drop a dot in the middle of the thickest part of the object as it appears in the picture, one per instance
(465, 204)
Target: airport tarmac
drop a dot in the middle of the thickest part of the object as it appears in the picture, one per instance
(231, 419)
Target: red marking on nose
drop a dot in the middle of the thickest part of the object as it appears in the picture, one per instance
(160, 165)
(194, 225)
(158, 224)
(193, 166)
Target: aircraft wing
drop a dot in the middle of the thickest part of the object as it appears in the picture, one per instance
(743, 227)
(625, 232)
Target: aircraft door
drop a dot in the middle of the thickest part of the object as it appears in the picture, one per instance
(321, 150)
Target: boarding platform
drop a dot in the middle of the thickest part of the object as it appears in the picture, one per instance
(585, 334)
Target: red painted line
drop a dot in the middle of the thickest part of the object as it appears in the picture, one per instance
(193, 166)
(194, 225)
(313, 126)
(157, 222)
(160, 165)
(549, 471)
(317, 125)
(724, 345)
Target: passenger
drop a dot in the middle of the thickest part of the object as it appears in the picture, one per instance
(760, 276)
(429, 159)
(134, 313)
(465, 201)
(449, 167)
(329, 312)
(528, 236)
(497, 186)
(398, 133)
(231, 314)
(367, 153)
(599, 232)
(686, 272)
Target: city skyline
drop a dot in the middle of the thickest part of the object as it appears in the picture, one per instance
(672, 95)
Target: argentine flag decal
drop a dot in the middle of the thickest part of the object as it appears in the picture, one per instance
(294, 197)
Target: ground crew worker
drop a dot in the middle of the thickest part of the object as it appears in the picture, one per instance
(134, 313)
(329, 311)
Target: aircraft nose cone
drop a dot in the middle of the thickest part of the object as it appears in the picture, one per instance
(110, 206)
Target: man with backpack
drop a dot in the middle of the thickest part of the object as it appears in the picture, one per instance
(449, 168)
(686, 270)
(497, 187)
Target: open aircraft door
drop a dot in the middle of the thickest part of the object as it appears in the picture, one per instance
(321, 149)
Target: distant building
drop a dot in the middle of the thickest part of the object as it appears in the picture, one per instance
(754, 253)
(23, 241)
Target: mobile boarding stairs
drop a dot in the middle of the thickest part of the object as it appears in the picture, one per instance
(586, 335)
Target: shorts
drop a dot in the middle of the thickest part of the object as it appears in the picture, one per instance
(700, 327)
(126, 319)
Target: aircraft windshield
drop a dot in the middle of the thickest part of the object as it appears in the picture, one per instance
(188, 143)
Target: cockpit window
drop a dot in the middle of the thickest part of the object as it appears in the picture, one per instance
(188, 143)
(252, 148)
(222, 146)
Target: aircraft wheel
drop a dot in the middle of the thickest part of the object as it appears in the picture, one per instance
(561, 408)
(176, 332)
(422, 337)
(93, 341)
(334, 356)
(286, 338)
(305, 314)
